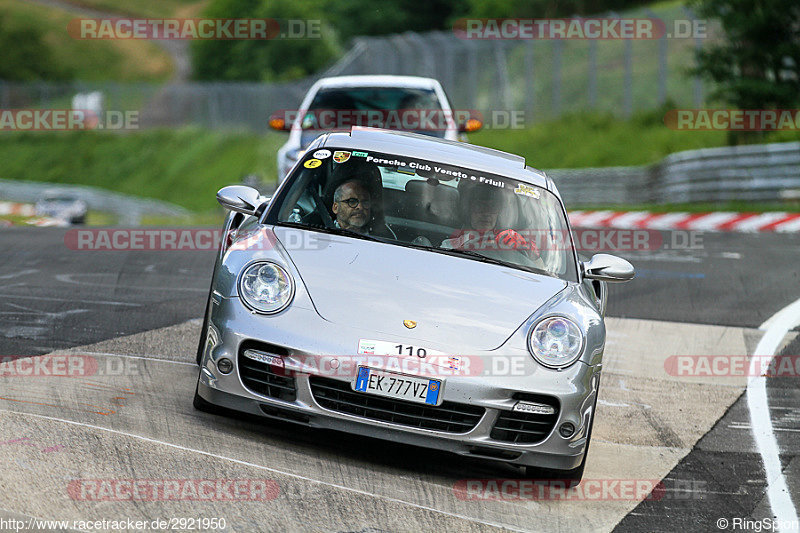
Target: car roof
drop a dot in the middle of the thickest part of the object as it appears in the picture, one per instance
(415, 82)
(436, 149)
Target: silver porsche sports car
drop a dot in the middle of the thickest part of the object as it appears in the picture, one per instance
(410, 288)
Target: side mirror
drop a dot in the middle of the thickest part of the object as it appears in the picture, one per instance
(240, 198)
(470, 126)
(606, 267)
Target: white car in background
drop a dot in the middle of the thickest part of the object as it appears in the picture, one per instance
(337, 103)
(62, 205)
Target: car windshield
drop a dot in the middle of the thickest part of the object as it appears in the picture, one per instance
(60, 200)
(397, 108)
(428, 205)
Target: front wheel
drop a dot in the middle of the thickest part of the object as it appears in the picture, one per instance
(201, 347)
(201, 404)
(572, 477)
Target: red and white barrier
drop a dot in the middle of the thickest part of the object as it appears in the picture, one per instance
(712, 221)
(28, 210)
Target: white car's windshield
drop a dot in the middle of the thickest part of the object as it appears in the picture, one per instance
(425, 204)
(394, 108)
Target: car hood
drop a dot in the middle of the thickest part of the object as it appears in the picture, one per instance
(458, 303)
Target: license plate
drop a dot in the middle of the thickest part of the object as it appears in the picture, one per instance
(398, 386)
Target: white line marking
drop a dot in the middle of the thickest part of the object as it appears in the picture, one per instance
(67, 278)
(109, 354)
(20, 273)
(267, 468)
(26, 297)
(775, 328)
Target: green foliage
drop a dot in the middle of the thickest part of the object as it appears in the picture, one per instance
(758, 65)
(367, 17)
(545, 8)
(34, 45)
(270, 60)
(25, 55)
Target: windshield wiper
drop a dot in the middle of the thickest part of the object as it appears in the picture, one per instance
(492, 260)
(335, 231)
(447, 251)
(478, 256)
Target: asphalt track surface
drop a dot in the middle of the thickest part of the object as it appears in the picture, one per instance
(134, 313)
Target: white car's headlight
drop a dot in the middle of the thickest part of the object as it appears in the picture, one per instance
(266, 287)
(556, 342)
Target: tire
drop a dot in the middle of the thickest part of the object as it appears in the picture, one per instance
(573, 476)
(201, 404)
(204, 332)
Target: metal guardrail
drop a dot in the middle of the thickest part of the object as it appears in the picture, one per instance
(763, 172)
(129, 209)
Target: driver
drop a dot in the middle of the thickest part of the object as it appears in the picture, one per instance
(352, 206)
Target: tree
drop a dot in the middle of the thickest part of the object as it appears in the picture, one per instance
(263, 60)
(25, 55)
(757, 66)
(352, 18)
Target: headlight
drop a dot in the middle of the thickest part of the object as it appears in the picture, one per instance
(556, 342)
(266, 287)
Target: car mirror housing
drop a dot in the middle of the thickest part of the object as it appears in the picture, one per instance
(240, 198)
(606, 267)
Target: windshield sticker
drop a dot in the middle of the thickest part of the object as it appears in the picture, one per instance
(312, 163)
(322, 154)
(341, 157)
(387, 162)
(410, 167)
(527, 190)
(359, 154)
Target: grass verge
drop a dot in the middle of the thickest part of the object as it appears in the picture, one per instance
(185, 167)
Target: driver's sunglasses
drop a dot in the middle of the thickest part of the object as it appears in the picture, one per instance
(353, 202)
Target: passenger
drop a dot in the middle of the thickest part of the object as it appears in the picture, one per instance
(481, 233)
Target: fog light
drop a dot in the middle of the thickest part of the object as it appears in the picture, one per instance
(534, 408)
(566, 430)
(226, 365)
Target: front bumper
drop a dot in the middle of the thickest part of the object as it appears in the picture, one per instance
(231, 324)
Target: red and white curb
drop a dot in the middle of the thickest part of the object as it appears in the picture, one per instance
(12, 208)
(714, 221)
(27, 210)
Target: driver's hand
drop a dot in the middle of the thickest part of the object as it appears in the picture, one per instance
(512, 240)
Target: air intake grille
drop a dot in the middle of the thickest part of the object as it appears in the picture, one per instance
(525, 428)
(449, 417)
(265, 379)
